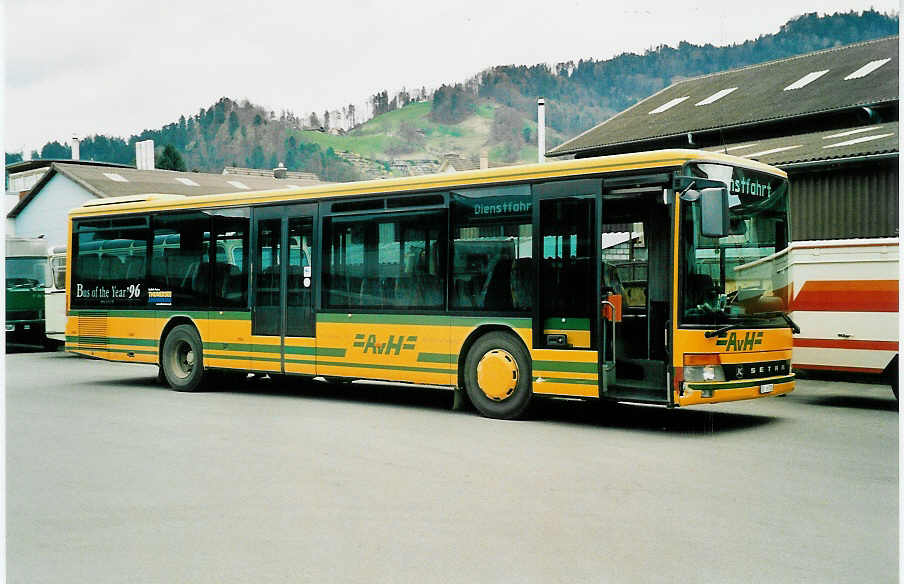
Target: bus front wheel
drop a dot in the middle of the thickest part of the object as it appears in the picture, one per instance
(497, 376)
(183, 362)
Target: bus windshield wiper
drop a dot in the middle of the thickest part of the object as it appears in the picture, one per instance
(794, 328)
(721, 330)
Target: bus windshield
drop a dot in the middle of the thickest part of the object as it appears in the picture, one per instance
(737, 279)
(26, 272)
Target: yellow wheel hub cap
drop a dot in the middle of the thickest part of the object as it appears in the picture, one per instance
(497, 374)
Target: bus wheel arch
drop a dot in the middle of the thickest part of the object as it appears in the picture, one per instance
(180, 355)
(498, 352)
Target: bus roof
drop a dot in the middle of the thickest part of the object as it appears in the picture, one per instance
(26, 247)
(549, 170)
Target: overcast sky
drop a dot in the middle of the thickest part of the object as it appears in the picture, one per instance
(118, 66)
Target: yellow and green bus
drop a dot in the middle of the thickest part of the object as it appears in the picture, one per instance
(611, 278)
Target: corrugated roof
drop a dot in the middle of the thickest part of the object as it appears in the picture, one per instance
(819, 82)
(826, 145)
(104, 181)
(27, 165)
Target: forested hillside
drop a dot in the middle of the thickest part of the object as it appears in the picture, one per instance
(494, 110)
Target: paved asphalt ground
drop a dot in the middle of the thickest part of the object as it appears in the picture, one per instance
(112, 478)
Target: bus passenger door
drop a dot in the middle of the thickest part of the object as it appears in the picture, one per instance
(299, 344)
(267, 282)
(282, 321)
(567, 348)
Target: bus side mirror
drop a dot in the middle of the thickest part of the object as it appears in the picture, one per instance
(714, 212)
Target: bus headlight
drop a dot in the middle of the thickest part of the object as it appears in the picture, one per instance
(704, 373)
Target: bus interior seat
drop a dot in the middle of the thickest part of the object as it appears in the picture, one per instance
(701, 288)
(522, 281)
(370, 292)
(159, 271)
(432, 292)
(497, 293)
(135, 267)
(88, 266)
(388, 290)
(200, 280)
(230, 282)
(111, 267)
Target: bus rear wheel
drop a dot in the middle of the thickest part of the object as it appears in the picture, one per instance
(497, 376)
(183, 361)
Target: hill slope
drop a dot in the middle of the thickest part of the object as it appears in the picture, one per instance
(494, 110)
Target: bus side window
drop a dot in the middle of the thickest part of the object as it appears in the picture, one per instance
(491, 249)
(58, 265)
(383, 262)
(184, 271)
(230, 276)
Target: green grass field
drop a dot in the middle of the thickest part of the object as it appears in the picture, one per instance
(375, 138)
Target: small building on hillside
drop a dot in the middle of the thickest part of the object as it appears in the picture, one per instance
(828, 118)
(455, 162)
(301, 179)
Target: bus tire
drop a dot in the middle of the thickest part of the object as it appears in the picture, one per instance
(497, 376)
(183, 361)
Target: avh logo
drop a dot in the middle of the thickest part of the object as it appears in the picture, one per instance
(392, 346)
(748, 343)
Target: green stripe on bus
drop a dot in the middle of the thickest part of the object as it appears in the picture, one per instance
(740, 384)
(71, 347)
(421, 319)
(570, 324)
(475, 321)
(295, 350)
(246, 347)
(195, 314)
(303, 361)
(113, 341)
(263, 348)
(565, 380)
(375, 366)
(328, 352)
(412, 319)
(434, 358)
(252, 359)
(572, 366)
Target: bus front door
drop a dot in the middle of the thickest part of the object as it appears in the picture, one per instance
(282, 321)
(635, 262)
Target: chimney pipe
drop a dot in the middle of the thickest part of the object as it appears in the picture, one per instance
(74, 144)
(144, 155)
(484, 159)
(541, 130)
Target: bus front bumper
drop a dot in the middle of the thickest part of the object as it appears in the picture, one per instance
(24, 330)
(695, 392)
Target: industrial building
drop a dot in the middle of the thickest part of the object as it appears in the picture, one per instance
(828, 118)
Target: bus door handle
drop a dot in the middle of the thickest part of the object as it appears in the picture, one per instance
(612, 321)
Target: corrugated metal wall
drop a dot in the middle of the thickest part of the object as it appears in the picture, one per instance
(845, 202)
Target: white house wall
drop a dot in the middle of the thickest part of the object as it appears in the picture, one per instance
(47, 212)
(10, 202)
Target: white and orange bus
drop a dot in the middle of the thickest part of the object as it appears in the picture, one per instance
(845, 299)
(616, 278)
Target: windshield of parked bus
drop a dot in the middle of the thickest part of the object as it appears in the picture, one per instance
(26, 272)
(737, 279)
